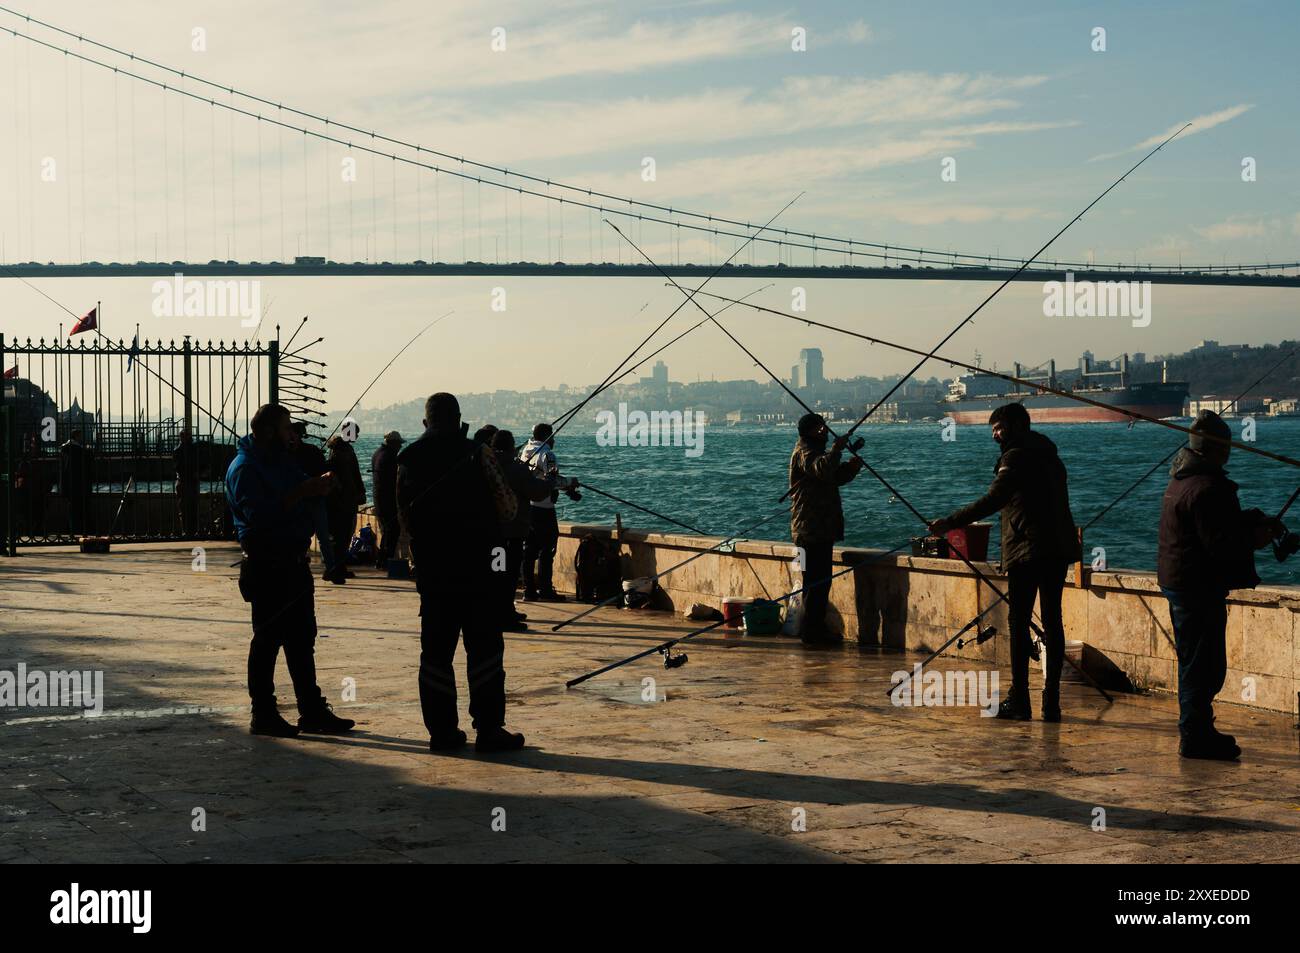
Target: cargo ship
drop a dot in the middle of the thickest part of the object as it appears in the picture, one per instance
(971, 399)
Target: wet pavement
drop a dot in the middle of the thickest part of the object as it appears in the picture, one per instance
(756, 750)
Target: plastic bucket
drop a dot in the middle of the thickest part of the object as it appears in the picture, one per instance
(763, 617)
(733, 610)
(971, 541)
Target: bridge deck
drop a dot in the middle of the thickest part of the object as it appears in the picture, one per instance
(559, 270)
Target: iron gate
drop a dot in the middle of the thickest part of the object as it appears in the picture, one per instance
(132, 440)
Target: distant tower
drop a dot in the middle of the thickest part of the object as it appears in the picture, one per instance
(794, 376)
(810, 364)
(660, 373)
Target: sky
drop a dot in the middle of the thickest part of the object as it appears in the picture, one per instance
(857, 124)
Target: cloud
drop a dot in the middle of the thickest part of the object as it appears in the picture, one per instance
(1199, 124)
(1231, 230)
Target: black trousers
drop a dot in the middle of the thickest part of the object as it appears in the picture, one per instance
(282, 595)
(454, 607)
(390, 531)
(187, 498)
(1043, 579)
(817, 584)
(1200, 621)
(509, 580)
(539, 550)
(343, 523)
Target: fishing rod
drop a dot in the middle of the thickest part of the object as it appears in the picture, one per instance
(676, 661)
(716, 546)
(739, 534)
(1044, 388)
(993, 294)
(609, 382)
(385, 368)
(1143, 478)
(853, 449)
(574, 412)
(643, 509)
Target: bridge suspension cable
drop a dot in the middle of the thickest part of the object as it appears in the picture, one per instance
(904, 255)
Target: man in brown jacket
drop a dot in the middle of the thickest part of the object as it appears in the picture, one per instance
(1039, 542)
(817, 519)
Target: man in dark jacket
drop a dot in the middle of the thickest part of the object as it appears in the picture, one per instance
(817, 519)
(266, 493)
(1206, 548)
(383, 475)
(310, 459)
(452, 498)
(527, 489)
(76, 466)
(1039, 541)
(185, 457)
(347, 494)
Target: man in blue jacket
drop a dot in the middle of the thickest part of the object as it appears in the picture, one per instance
(267, 494)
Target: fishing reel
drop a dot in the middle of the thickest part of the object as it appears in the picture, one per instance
(671, 660)
(857, 444)
(983, 636)
(571, 491)
(1287, 546)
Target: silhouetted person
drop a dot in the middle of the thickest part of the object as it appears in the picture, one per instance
(311, 461)
(347, 494)
(33, 487)
(185, 457)
(452, 498)
(817, 519)
(75, 466)
(527, 488)
(383, 475)
(1206, 548)
(544, 528)
(267, 493)
(1039, 541)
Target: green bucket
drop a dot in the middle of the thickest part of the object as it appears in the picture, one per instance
(763, 617)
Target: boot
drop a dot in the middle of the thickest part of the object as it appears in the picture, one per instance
(320, 719)
(450, 741)
(1052, 703)
(1015, 707)
(1210, 748)
(335, 576)
(267, 720)
(498, 739)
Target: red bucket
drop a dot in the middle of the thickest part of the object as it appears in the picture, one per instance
(971, 541)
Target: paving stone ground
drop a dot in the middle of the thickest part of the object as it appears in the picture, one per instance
(747, 736)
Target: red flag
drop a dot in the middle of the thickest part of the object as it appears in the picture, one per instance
(88, 323)
(12, 372)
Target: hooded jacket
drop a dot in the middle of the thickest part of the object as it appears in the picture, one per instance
(540, 458)
(383, 474)
(257, 482)
(1030, 487)
(816, 475)
(1206, 539)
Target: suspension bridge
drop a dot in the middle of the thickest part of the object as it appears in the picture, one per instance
(199, 175)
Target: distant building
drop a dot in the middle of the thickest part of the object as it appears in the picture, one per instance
(810, 367)
(794, 376)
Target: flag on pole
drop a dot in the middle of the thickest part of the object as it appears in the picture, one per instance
(11, 373)
(135, 350)
(89, 323)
